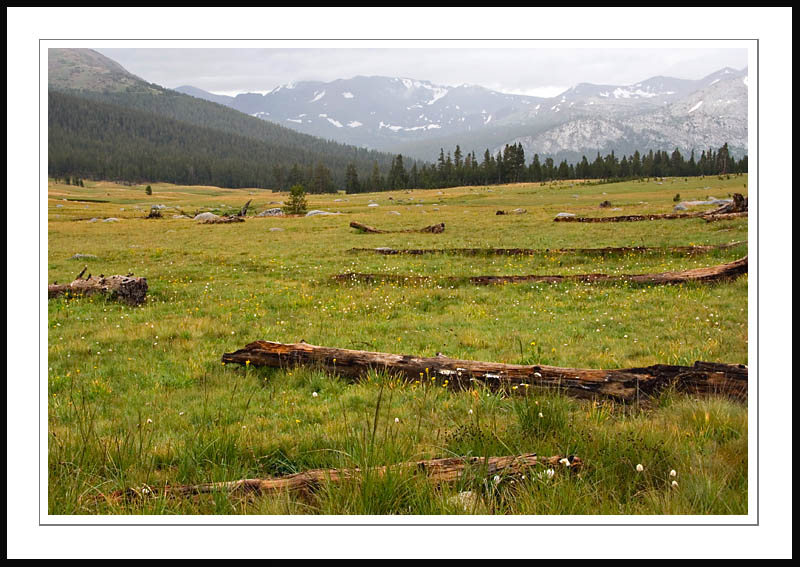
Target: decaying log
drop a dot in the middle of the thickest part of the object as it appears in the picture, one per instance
(122, 288)
(631, 218)
(739, 205)
(436, 470)
(222, 220)
(710, 274)
(514, 212)
(623, 384)
(434, 229)
(724, 216)
(688, 250)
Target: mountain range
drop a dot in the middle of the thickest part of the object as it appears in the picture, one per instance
(417, 117)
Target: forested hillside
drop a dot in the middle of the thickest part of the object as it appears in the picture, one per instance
(95, 139)
(107, 123)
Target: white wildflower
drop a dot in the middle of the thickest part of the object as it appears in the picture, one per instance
(639, 468)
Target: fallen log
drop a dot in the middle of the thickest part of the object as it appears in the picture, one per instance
(436, 470)
(739, 205)
(705, 275)
(724, 216)
(689, 250)
(514, 212)
(625, 384)
(631, 218)
(222, 220)
(127, 289)
(434, 229)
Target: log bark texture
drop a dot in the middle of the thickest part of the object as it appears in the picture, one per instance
(626, 384)
(436, 470)
(710, 274)
(127, 289)
(688, 250)
(434, 229)
(725, 216)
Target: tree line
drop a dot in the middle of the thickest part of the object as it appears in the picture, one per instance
(509, 166)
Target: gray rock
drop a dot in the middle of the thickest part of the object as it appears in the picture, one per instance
(373, 205)
(680, 207)
(276, 229)
(394, 213)
(93, 220)
(276, 212)
(180, 217)
(83, 257)
(565, 215)
(206, 216)
(112, 219)
(316, 213)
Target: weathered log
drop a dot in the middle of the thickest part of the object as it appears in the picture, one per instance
(222, 220)
(121, 288)
(739, 205)
(688, 250)
(724, 216)
(622, 384)
(631, 218)
(434, 229)
(445, 470)
(705, 275)
(514, 212)
(243, 212)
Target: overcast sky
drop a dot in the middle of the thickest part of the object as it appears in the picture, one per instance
(540, 72)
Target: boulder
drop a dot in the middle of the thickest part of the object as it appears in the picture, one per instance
(206, 217)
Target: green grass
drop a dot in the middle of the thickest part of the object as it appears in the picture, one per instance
(213, 288)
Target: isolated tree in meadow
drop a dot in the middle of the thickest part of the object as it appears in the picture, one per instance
(148, 190)
(297, 204)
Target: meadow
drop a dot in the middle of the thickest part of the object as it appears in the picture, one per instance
(138, 396)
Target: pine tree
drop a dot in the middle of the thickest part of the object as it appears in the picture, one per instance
(351, 179)
(297, 201)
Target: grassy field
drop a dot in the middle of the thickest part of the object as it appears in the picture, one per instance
(138, 396)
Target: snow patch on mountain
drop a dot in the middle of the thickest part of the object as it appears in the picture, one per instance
(695, 107)
(317, 96)
(347, 94)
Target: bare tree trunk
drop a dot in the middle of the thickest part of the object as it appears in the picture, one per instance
(434, 228)
(710, 274)
(436, 470)
(123, 288)
(622, 384)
